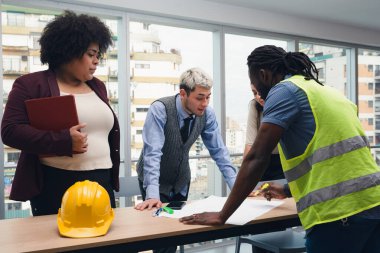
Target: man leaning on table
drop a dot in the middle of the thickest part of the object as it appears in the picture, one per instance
(163, 167)
(171, 127)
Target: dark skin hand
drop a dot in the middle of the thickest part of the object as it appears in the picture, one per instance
(274, 191)
(252, 168)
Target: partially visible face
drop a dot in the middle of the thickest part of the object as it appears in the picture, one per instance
(83, 68)
(197, 101)
(257, 96)
(262, 82)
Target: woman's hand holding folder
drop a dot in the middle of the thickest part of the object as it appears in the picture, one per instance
(79, 138)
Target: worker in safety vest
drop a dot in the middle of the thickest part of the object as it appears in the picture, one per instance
(324, 153)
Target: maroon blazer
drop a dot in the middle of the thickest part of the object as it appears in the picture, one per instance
(17, 133)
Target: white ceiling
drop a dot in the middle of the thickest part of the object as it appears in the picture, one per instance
(357, 13)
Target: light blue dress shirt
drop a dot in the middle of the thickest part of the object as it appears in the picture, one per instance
(154, 138)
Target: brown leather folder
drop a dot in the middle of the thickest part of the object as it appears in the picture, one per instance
(52, 113)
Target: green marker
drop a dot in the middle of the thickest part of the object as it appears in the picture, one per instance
(168, 210)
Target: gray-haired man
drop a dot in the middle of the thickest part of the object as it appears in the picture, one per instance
(163, 167)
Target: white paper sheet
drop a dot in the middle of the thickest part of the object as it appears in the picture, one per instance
(248, 210)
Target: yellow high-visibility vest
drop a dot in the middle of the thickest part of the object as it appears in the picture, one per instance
(336, 176)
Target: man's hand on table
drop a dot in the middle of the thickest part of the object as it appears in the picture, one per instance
(149, 203)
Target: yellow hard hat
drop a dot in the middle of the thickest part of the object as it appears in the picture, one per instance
(85, 211)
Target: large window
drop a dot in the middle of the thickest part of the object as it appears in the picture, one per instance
(238, 89)
(331, 62)
(158, 58)
(369, 96)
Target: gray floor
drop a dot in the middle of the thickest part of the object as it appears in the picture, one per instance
(227, 245)
(244, 248)
(221, 246)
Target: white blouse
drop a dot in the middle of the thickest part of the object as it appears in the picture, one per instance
(99, 119)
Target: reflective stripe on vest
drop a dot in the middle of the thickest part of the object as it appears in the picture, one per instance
(325, 153)
(338, 190)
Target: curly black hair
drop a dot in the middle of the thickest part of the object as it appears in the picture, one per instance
(68, 36)
(277, 60)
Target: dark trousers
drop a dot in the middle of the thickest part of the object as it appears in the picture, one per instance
(165, 199)
(57, 181)
(354, 235)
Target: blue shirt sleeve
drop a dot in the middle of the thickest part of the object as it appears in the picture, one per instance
(288, 106)
(153, 138)
(281, 106)
(214, 143)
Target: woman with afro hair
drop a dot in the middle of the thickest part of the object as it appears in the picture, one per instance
(72, 46)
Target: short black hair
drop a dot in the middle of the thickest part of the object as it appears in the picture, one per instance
(68, 36)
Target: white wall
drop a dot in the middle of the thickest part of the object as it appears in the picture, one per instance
(218, 13)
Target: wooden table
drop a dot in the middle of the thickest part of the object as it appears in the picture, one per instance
(132, 230)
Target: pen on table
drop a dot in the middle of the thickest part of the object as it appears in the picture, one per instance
(165, 209)
(157, 212)
(262, 188)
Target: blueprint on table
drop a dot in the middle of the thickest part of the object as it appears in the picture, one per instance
(250, 209)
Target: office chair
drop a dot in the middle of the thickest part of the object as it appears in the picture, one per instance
(287, 241)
